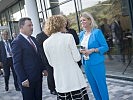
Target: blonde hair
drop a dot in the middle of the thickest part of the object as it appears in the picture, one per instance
(89, 16)
(54, 24)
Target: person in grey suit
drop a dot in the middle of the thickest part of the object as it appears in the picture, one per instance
(6, 60)
(27, 61)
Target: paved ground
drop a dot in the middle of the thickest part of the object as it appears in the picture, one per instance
(118, 90)
(116, 67)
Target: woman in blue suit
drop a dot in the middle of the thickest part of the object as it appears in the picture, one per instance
(93, 48)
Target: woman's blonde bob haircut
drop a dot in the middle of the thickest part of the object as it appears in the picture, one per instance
(54, 24)
(89, 16)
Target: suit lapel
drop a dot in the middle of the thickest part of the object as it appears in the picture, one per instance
(36, 44)
(26, 42)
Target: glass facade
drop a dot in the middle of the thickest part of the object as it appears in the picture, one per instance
(11, 15)
(120, 55)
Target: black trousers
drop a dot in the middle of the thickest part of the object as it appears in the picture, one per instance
(6, 66)
(50, 79)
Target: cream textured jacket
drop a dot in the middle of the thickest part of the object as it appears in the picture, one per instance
(63, 55)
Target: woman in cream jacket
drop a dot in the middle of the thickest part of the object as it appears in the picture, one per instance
(63, 55)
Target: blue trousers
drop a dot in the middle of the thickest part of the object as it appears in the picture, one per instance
(97, 80)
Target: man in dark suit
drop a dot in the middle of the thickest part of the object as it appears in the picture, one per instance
(27, 61)
(118, 36)
(106, 30)
(41, 37)
(6, 60)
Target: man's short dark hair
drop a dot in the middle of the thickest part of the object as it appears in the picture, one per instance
(22, 21)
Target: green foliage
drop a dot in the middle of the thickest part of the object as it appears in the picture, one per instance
(99, 11)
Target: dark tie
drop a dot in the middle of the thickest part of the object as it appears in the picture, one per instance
(32, 44)
(8, 48)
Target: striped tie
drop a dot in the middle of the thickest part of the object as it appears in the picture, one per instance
(8, 48)
(32, 44)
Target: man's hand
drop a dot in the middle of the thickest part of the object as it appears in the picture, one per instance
(45, 73)
(26, 83)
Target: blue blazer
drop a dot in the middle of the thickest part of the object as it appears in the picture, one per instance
(27, 62)
(3, 56)
(96, 40)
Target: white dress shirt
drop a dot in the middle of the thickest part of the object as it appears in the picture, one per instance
(7, 53)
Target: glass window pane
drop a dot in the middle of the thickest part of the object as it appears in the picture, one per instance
(115, 14)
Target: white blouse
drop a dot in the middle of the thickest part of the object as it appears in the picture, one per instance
(84, 43)
(85, 40)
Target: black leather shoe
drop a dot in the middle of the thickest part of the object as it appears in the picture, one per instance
(6, 88)
(53, 92)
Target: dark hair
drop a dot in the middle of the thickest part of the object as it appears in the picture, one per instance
(22, 21)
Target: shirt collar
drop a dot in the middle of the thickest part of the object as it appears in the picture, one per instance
(5, 40)
(25, 36)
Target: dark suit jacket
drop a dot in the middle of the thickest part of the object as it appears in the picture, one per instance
(73, 32)
(117, 29)
(41, 37)
(3, 56)
(27, 62)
